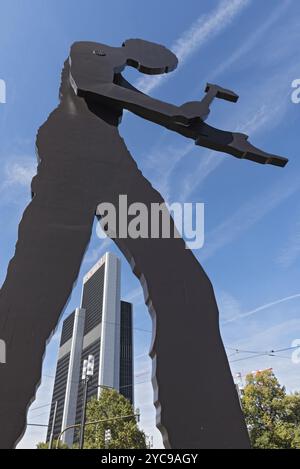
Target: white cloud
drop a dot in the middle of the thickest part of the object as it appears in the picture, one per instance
(228, 305)
(19, 172)
(252, 40)
(205, 28)
(291, 252)
(135, 296)
(208, 163)
(91, 257)
(164, 160)
(249, 214)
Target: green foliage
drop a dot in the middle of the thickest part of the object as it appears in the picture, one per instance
(125, 433)
(61, 445)
(272, 416)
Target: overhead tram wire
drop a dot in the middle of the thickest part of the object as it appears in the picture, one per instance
(270, 353)
(255, 354)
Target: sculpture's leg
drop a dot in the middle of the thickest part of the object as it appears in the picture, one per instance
(53, 235)
(196, 400)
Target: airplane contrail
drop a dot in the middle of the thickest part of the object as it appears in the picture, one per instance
(202, 30)
(261, 308)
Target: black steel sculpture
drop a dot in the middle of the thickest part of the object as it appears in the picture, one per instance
(83, 161)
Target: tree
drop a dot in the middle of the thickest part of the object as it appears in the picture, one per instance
(272, 416)
(61, 445)
(124, 432)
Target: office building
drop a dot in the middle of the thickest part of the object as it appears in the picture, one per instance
(101, 327)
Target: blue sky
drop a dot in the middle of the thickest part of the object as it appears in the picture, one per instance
(252, 226)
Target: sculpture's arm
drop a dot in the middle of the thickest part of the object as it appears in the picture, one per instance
(186, 120)
(235, 144)
(193, 111)
(125, 96)
(232, 143)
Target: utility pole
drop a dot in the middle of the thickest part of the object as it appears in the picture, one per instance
(87, 373)
(53, 425)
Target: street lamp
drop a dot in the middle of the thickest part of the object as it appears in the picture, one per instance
(90, 366)
(107, 438)
(87, 374)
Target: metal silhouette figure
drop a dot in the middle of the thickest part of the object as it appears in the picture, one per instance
(83, 161)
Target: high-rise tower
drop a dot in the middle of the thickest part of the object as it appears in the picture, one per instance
(102, 327)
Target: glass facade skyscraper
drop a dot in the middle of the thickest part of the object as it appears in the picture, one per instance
(101, 327)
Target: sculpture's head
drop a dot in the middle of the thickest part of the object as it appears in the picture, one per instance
(149, 57)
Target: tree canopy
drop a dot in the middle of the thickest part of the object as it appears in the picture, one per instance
(111, 407)
(118, 420)
(272, 416)
(55, 445)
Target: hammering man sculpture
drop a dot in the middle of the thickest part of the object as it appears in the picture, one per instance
(83, 161)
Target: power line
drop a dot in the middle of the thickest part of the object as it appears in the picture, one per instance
(248, 358)
(36, 425)
(41, 406)
(270, 353)
(255, 354)
(236, 350)
(286, 349)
